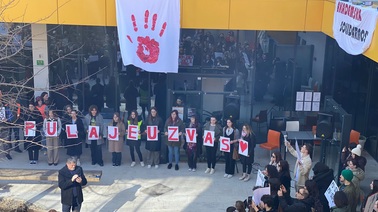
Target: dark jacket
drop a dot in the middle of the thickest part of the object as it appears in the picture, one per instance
(289, 204)
(251, 149)
(285, 180)
(181, 126)
(155, 121)
(67, 186)
(323, 177)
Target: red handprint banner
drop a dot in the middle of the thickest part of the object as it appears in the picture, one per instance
(149, 33)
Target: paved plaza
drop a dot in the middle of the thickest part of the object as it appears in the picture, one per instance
(126, 188)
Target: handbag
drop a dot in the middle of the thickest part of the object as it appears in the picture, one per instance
(235, 153)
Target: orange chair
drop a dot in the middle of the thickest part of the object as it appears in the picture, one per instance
(273, 141)
(354, 137)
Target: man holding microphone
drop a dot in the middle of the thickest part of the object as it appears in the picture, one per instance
(71, 179)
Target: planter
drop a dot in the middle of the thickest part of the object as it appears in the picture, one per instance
(362, 141)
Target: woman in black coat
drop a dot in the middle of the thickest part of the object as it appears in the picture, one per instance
(323, 177)
(153, 147)
(247, 161)
(33, 143)
(284, 174)
(74, 145)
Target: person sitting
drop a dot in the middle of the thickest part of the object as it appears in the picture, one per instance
(275, 158)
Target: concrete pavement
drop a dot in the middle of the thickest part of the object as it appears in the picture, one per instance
(126, 188)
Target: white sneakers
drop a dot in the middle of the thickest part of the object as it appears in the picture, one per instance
(156, 166)
(133, 164)
(246, 178)
(243, 176)
(193, 170)
(142, 163)
(207, 171)
(149, 166)
(229, 176)
(212, 171)
(190, 169)
(225, 175)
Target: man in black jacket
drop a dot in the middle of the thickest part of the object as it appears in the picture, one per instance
(302, 202)
(71, 179)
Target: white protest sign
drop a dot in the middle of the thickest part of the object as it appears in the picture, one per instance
(258, 193)
(330, 192)
(71, 131)
(260, 178)
(29, 128)
(208, 138)
(225, 145)
(113, 133)
(132, 132)
(173, 133)
(93, 132)
(51, 129)
(243, 147)
(152, 133)
(190, 134)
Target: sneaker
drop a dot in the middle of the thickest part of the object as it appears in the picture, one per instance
(18, 150)
(169, 166)
(176, 167)
(78, 162)
(193, 170)
(190, 169)
(35, 162)
(149, 166)
(8, 156)
(242, 177)
(229, 176)
(142, 163)
(246, 178)
(207, 171)
(225, 175)
(31, 162)
(133, 164)
(212, 171)
(156, 166)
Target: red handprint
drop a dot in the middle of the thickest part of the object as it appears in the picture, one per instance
(148, 49)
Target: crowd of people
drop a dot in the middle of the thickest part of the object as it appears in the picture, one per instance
(311, 191)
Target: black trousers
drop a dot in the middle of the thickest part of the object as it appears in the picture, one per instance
(211, 155)
(230, 163)
(192, 158)
(96, 152)
(33, 153)
(137, 149)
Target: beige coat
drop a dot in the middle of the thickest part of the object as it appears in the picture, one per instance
(117, 146)
(304, 169)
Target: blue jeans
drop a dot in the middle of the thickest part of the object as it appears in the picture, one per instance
(67, 208)
(173, 150)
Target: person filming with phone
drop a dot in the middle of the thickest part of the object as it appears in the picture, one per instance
(71, 179)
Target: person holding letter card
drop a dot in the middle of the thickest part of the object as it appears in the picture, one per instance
(153, 143)
(231, 132)
(133, 130)
(247, 161)
(52, 128)
(191, 147)
(32, 121)
(116, 138)
(93, 124)
(208, 141)
(74, 138)
(173, 129)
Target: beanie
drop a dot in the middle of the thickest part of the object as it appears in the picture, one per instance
(347, 174)
(357, 150)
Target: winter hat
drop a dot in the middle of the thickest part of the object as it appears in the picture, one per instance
(357, 150)
(347, 174)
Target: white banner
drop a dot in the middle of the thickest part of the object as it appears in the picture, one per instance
(149, 33)
(353, 27)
